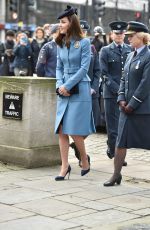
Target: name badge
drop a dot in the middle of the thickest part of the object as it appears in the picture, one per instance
(77, 44)
(137, 65)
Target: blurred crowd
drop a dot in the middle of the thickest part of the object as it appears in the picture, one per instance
(19, 53)
(24, 55)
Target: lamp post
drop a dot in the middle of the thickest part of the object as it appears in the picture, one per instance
(116, 10)
(86, 9)
(23, 7)
(148, 13)
(2, 18)
(144, 13)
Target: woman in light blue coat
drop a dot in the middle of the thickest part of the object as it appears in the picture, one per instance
(74, 106)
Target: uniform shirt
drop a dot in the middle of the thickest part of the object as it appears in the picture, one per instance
(140, 49)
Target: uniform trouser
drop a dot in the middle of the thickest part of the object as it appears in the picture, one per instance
(1, 69)
(112, 117)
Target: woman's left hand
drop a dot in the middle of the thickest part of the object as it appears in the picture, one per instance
(128, 109)
(62, 90)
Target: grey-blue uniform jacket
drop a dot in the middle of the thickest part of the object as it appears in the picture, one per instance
(94, 72)
(47, 59)
(112, 66)
(75, 111)
(135, 83)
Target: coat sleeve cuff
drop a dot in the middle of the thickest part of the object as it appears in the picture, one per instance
(134, 102)
(121, 97)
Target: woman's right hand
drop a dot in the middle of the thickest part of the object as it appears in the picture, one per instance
(62, 91)
(122, 105)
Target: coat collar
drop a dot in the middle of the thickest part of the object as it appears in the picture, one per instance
(137, 57)
(116, 50)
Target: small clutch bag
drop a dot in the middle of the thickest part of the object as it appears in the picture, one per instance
(74, 90)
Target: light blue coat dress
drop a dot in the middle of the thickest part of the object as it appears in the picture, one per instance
(75, 111)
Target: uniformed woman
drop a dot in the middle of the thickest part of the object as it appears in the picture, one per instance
(112, 59)
(133, 99)
(74, 107)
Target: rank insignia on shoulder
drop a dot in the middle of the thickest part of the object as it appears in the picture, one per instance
(77, 44)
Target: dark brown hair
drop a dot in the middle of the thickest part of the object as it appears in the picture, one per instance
(74, 31)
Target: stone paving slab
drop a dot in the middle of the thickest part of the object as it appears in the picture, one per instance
(79, 228)
(50, 207)
(7, 180)
(137, 227)
(9, 213)
(142, 212)
(103, 218)
(145, 175)
(130, 201)
(31, 173)
(123, 189)
(127, 225)
(32, 199)
(88, 193)
(122, 209)
(71, 198)
(84, 212)
(18, 195)
(37, 223)
(97, 205)
(7, 167)
(49, 184)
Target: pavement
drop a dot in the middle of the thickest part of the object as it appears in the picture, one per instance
(30, 199)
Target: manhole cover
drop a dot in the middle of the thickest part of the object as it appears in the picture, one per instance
(137, 227)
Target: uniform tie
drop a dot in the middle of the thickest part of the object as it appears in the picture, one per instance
(120, 49)
(135, 53)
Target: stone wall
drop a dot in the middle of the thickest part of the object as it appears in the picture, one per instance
(30, 142)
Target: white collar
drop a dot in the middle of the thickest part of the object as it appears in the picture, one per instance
(118, 44)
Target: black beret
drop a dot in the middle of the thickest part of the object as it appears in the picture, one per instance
(118, 26)
(84, 25)
(134, 27)
(67, 12)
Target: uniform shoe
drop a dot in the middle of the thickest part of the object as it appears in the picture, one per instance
(125, 163)
(113, 181)
(109, 153)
